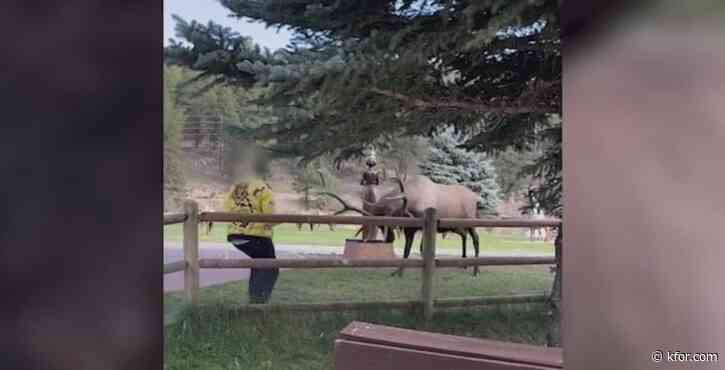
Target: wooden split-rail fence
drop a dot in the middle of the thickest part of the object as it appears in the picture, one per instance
(430, 223)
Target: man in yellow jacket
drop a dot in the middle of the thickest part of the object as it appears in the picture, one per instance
(253, 196)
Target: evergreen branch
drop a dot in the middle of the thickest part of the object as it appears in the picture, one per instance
(478, 107)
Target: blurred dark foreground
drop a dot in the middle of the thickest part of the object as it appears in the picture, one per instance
(80, 195)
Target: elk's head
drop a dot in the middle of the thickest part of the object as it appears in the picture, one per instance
(391, 204)
(387, 205)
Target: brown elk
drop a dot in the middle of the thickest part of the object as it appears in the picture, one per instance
(451, 201)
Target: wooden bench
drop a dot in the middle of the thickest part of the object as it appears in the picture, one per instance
(363, 346)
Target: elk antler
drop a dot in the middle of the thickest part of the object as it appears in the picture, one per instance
(346, 206)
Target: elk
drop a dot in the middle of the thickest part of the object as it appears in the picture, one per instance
(370, 196)
(451, 201)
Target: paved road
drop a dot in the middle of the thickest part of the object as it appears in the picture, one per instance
(207, 277)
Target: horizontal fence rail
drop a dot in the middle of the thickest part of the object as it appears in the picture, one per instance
(266, 263)
(174, 218)
(309, 219)
(448, 223)
(491, 300)
(174, 267)
(394, 304)
(495, 261)
(314, 263)
(443, 223)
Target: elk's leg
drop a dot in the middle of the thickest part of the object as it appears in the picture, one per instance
(390, 235)
(409, 236)
(385, 232)
(474, 237)
(464, 247)
(462, 233)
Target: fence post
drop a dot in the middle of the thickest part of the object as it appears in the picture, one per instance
(191, 251)
(553, 337)
(430, 229)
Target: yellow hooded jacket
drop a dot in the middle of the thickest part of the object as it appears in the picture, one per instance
(252, 197)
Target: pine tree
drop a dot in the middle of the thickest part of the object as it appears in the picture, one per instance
(358, 70)
(448, 163)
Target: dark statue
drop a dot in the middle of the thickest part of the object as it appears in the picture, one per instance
(371, 176)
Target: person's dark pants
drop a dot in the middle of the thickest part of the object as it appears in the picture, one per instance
(261, 281)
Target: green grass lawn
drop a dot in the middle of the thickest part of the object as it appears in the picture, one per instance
(215, 336)
(323, 236)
